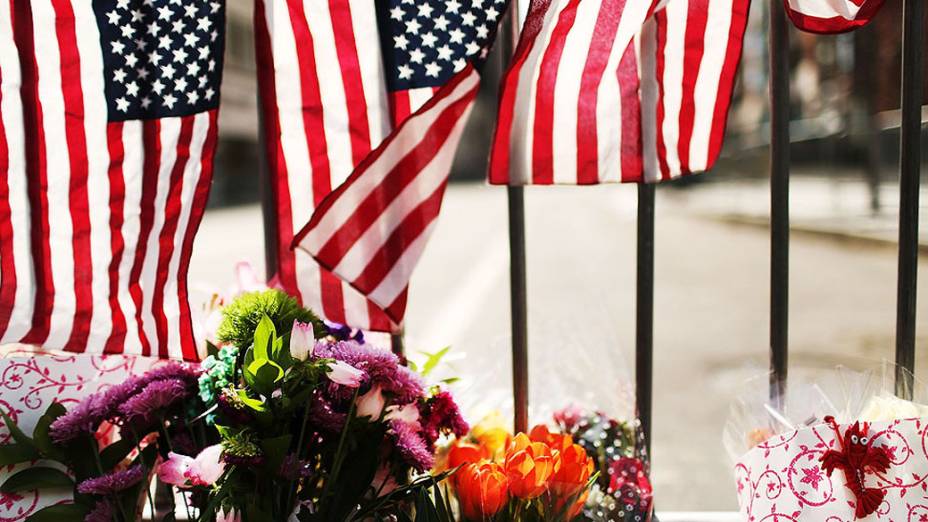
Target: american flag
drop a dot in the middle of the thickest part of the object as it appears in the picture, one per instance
(604, 91)
(831, 16)
(377, 120)
(107, 132)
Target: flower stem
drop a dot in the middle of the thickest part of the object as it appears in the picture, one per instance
(299, 451)
(340, 452)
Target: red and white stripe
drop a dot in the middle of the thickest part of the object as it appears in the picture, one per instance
(325, 109)
(101, 216)
(372, 229)
(603, 91)
(831, 16)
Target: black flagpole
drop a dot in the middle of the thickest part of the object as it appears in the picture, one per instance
(913, 15)
(779, 199)
(644, 311)
(517, 274)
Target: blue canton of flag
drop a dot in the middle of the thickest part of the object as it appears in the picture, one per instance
(162, 57)
(425, 42)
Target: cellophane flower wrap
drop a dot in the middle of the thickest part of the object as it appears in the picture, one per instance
(839, 444)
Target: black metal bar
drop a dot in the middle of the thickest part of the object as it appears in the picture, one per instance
(398, 344)
(644, 310)
(779, 199)
(519, 307)
(517, 273)
(268, 197)
(913, 15)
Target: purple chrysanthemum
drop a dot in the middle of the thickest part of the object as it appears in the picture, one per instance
(173, 370)
(440, 414)
(154, 399)
(83, 419)
(112, 482)
(382, 367)
(118, 394)
(102, 512)
(413, 449)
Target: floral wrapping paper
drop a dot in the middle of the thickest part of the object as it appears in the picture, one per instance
(781, 480)
(30, 383)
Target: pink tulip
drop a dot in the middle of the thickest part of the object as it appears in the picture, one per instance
(302, 340)
(371, 404)
(345, 374)
(228, 516)
(174, 470)
(184, 472)
(207, 467)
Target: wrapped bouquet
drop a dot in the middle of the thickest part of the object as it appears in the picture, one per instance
(287, 419)
(839, 446)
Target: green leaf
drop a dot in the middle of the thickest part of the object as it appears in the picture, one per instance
(116, 452)
(450, 380)
(266, 373)
(17, 453)
(212, 349)
(60, 513)
(15, 432)
(40, 434)
(254, 404)
(248, 360)
(38, 477)
(433, 360)
(265, 334)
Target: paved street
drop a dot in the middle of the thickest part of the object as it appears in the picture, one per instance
(711, 307)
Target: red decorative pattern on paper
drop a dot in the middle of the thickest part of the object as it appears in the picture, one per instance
(781, 480)
(30, 383)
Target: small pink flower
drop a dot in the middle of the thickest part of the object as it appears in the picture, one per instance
(408, 414)
(184, 472)
(207, 467)
(228, 516)
(174, 470)
(247, 279)
(302, 340)
(371, 404)
(345, 374)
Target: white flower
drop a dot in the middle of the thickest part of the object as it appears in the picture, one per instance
(302, 340)
(887, 407)
(345, 374)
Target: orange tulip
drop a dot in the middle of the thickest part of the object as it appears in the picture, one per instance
(529, 465)
(556, 441)
(463, 452)
(573, 473)
(482, 490)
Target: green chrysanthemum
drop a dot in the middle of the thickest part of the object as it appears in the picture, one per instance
(241, 316)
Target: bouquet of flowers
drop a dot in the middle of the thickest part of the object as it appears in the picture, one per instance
(837, 445)
(153, 414)
(585, 469)
(288, 418)
(314, 424)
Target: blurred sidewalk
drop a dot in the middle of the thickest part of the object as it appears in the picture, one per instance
(836, 208)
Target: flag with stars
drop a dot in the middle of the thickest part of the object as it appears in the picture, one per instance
(364, 102)
(108, 127)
